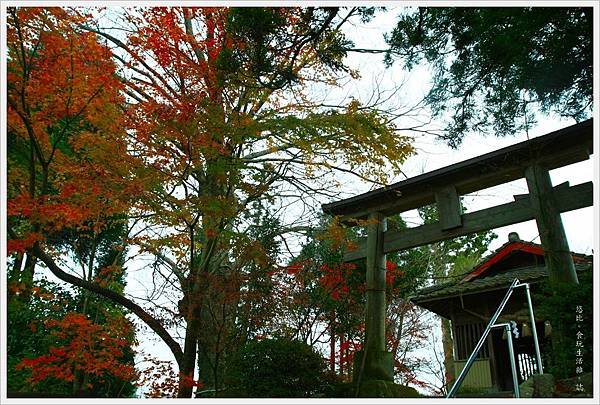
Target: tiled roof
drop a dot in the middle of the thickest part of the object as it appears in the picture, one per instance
(502, 280)
(509, 248)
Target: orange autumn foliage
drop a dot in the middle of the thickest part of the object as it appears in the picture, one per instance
(69, 166)
(84, 347)
(183, 117)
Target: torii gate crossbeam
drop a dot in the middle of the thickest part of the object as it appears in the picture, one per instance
(532, 160)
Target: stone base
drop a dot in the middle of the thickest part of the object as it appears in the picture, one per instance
(377, 366)
(537, 386)
(385, 389)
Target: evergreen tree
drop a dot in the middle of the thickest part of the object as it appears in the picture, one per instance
(490, 63)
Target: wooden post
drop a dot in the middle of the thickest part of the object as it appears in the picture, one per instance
(373, 362)
(376, 306)
(447, 344)
(552, 234)
(449, 208)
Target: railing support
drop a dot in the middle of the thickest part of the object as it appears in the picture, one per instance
(513, 367)
(486, 332)
(511, 353)
(492, 324)
(538, 356)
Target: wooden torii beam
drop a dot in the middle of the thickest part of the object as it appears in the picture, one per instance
(567, 199)
(532, 160)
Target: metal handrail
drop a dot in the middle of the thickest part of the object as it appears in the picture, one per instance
(511, 353)
(538, 356)
(486, 332)
(491, 324)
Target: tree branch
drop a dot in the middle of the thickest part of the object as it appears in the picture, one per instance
(156, 326)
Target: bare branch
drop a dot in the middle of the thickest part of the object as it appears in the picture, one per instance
(156, 326)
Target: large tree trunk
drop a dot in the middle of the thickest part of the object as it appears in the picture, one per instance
(187, 365)
(332, 341)
(448, 346)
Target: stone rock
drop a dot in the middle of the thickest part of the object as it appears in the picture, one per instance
(386, 389)
(538, 386)
(543, 385)
(526, 389)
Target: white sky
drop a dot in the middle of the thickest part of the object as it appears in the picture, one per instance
(434, 154)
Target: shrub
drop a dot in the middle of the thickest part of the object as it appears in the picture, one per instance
(276, 368)
(558, 304)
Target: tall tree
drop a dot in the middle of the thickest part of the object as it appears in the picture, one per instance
(63, 119)
(69, 184)
(222, 114)
(493, 66)
(219, 113)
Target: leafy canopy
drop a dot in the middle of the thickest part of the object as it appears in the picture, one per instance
(175, 121)
(489, 63)
(276, 368)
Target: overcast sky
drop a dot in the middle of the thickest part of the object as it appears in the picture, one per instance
(433, 154)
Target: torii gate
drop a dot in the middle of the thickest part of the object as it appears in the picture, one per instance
(531, 159)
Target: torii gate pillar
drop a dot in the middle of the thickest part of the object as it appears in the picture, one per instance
(559, 260)
(374, 362)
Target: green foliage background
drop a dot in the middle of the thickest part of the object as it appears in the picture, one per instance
(277, 368)
(558, 304)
